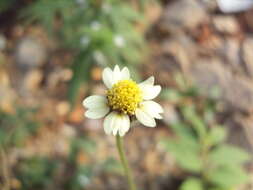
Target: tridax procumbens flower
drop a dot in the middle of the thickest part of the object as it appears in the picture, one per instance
(124, 99)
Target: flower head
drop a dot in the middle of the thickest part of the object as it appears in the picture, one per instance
(124, 99)
(95, 25)
(119, 41)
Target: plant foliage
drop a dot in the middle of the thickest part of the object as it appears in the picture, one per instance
(98, 32)
(199, 147)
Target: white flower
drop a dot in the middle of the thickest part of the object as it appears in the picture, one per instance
(95, 25)
(83, 180)
(124, 99)
(85, 41)
(99, 57)
(119, 41)
(230, 6)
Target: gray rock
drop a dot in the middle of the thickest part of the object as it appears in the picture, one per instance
(247, 55)
(246, 122)
(209, 74)
(232, 53)
(240, 129)
(183, 14)
(226, 24)
(182, 49)
(30, 53)
(239, 94)
(211, 5)
(236, 92)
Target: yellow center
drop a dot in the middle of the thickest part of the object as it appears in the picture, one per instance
(124, 96)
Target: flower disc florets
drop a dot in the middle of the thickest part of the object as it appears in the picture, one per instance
(124, 97)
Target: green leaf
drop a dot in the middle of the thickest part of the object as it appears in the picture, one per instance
(171, 95)
(228, 155)
(192, 184)
(186, 156)
(81, 68)
(216, 135)
(185, 133)
(197, 123)
(5, 4)
(228, 177)
(112, 166)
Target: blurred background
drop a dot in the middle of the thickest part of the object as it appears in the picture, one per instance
(52, 53)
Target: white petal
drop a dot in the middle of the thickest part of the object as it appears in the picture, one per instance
(145, 118)
(108, 77)
(115, 129)
(95, 101)
(125, 125)
(97, 113)
(125, 74)
(108, 123)
(149, 91)
(152, 108)
(116, 74)
(149, 81)
(120, 122)
(158, 116)
(116, 123)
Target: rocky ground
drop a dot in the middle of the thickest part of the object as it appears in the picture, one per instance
(211, 49)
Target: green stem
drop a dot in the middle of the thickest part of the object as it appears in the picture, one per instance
(5, 170)
(124, 162)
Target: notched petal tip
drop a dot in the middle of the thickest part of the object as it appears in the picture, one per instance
(116, 123)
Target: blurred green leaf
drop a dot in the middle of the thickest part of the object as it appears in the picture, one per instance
(112, 166)
(81, 144)
(190, 91)
(5, 4)
(186, 156)
(197, 123)
(170, 95)
(81, 68)
(216, 135)
(36, 172)
(17, 127)
(81, 178)
(228, 177)
(192, 184)
(88, 27)
(185, 133)
(228, 155)
(181, 82)
(215, 92)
